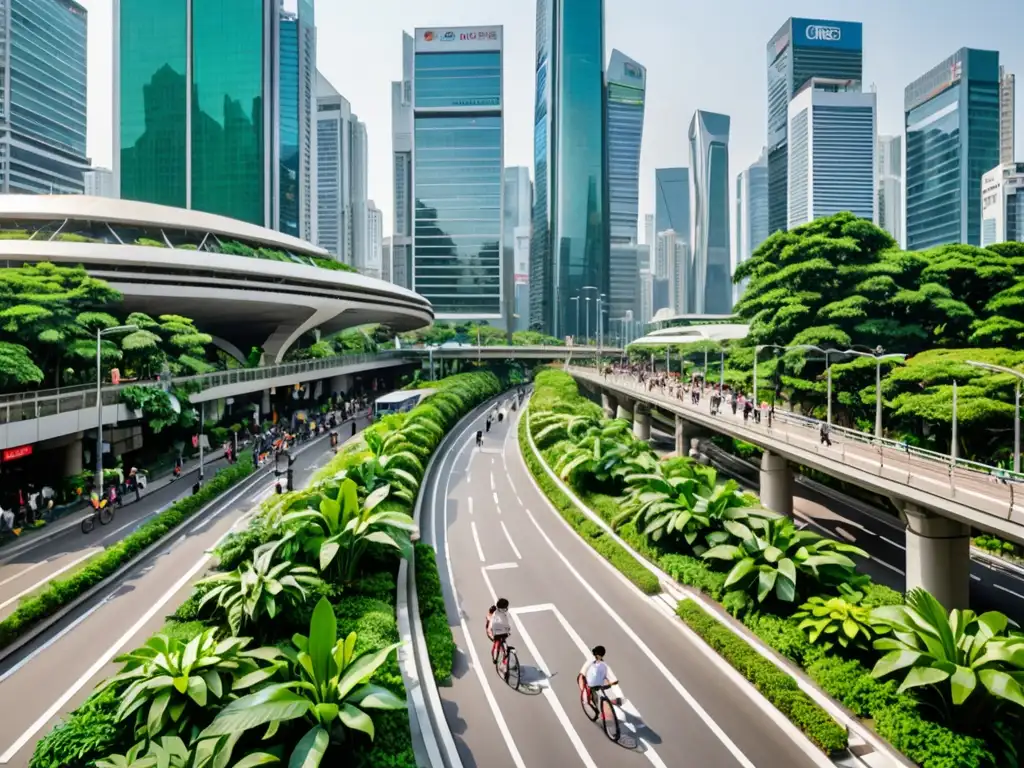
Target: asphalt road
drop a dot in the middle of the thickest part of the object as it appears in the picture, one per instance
(497, 535)
(52, 677)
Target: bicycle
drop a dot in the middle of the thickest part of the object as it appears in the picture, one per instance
(103, 513)
(609, 720)
(506, 663)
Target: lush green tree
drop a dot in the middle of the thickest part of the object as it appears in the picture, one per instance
(170, 341)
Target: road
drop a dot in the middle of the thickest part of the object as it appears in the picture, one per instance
(52, 677)
(497, 535)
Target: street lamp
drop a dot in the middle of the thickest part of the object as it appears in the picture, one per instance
(586, 316)
(879, 356)
(1016, 405)
(100, 333)
(576, 331)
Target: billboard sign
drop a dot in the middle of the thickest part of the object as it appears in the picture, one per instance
(814, 33)
(441, 40)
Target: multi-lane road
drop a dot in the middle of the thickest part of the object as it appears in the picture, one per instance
(497, 535)
(49, 678)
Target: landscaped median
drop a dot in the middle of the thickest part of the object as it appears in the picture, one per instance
(944, 688)
(62, 592)
(285, 654)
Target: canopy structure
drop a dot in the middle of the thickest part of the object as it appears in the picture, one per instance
(692, 333)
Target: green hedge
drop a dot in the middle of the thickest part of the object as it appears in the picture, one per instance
(434, 615)
(61, 592)
(774, 684)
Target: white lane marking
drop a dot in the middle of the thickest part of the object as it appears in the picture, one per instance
(471, 505)
(492, 477)
(22, 572)
(893, 543)
(500, 566)
(476, 540)
(442, 519)
(556, 705)
(490, 586)
(882, 562)
(45, 579)
(1009, 591)
(495, 495)
(642, 646)
(975, 578)
(510, 542)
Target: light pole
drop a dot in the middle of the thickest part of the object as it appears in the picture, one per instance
(1016, 405)
(586, 316)
(878, 355)
(576, 331)
(100, 333)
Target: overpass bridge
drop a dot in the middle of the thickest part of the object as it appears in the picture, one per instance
(940, 497)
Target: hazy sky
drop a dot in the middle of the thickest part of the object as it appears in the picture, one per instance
(698, 54)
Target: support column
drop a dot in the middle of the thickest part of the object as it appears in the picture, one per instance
(682, 444)
(609, 405)
(624, 410)
(938, 556)
(265, 405)
(776, 484)
(641, 422)
(73, 456)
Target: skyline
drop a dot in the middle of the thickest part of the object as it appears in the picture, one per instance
(732, 78)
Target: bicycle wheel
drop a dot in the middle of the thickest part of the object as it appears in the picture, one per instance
(512, 669)
(495, 650)
(106, 515)
(88, 523)
(586, 701)
(501, 665)
(608, 719)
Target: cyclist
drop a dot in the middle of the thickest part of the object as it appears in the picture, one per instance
(479, 438)
(499, 623)
(599, 677)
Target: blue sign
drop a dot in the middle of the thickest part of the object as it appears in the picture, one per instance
(815, 33)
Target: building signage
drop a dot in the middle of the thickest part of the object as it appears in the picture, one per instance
(484, 101)
(433, 40)
(633, 71)
(10, 454)
(814, 33)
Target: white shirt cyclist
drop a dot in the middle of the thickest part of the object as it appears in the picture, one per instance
(501, 624)
(599, 673)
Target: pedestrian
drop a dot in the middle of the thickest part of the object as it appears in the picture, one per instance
(353, 428)
(488, 423)
(824, 433)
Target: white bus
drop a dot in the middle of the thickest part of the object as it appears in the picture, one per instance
(399, 402)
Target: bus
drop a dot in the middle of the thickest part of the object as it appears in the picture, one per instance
(399, 402)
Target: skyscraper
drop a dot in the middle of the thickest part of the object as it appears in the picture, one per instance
(98, 182)
(626, 81)
(359, 236)
(803, 49)
(831, 154)
(951, 119)
(401, 152)
(672, 201)
(1002, 204)
(517, 210)
(210, 101)
(569, 248)
(43, 74)
(374, 240)
(671, 259)
(649, 229)
(889, 160)
(457, 171)
(709, 279)
(1007, 108)
(334, 170)
(751, 210)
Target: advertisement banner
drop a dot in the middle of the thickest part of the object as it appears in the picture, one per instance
(814, 33)
(441, 39)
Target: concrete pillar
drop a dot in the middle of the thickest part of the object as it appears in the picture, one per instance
(682, 444)
(265, 405)
(938, 556)
(776, 484)
(641, 423)
(609, 405)
(624, 409)
(73, 457)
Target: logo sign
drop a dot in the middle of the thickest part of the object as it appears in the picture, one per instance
(10, 454)
(823, 34)
(814, 33)
(459, 39)
(956, 70)
(633, 71)
(428, 36)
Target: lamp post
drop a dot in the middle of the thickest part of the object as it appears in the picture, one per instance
(878, 355)
(586, 316)
(576, 331)
(100, 333)
(1016, 404)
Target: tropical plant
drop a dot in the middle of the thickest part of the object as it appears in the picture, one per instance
(327, 689)
(258, 588)
(603, 451)
(772, 551)
(839, 619)
(548, 426)
(384, 466)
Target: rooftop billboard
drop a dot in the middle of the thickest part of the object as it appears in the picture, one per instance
(815, 33)
(443, 39)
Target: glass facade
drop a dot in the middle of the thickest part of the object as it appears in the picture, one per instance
(289, 156)
(541, 283)
(458, 79)
(672, 201)
(625, 100)
(709, 280)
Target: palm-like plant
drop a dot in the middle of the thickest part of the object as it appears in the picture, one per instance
(840, 619)
(256, 588)
(548, 425)
(391, 462)
(771, 552)
(602, 451)
(328, 690)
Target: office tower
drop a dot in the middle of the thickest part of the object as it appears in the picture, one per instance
(457, 171)
(889, 159)
(98, 182)
(803, 49)
(1007, 107)
(43, 97)
(831, 154)
(359, 236)
(401, 154)
(374, 240)
(671, 258)
(951, 125)
(623, 280)
(709, 277)
(334, 170)
(1002, 204)
(646, 297)
(385, 259)
(625, 104)
(210, 101)
(751, 211)
(672, 201)
(569, 248)
(649, 229)
(517, 209)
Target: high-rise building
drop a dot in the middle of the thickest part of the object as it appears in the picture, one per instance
(646, 296)
(385, 259)
(626, 80)
(831, 154)
(569, 248)
(374, 240)
(334, 171)
(98, 182)
(1002, 204)
(401, 153)
(709, 278)
(672, 201)
(951, 119)
(517, 207)
(671, 259)
(803, 49)
(1007, 108)
(751, 211)
(457, 171)
(210, 101)
(623, 279)
(889, 160)
(649, 229)
(359, 236)
(42, 97)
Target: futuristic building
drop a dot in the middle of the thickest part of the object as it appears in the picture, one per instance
(672, 201)
(751, 210)
(626, 81)
(709, 278)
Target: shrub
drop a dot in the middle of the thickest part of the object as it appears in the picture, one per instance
(434, 615)
(88, 732)
(693, 573)
(150, 242)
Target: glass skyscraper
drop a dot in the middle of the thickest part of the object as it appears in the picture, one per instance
(43, 97)
(205, 102)
(569, 249)
(751, 211)
(457, 171)
(672, 201)
(709, 279)
(625, 101)
(951, 119)
(803, 49)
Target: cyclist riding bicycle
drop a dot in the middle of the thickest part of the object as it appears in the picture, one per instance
(499, 623)
(599, 677)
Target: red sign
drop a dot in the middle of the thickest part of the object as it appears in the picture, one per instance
(10, 454)
(115, 376)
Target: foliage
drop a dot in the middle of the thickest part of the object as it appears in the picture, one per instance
(90, 730)
(603, 452)
(433, 615)
(840, 619)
